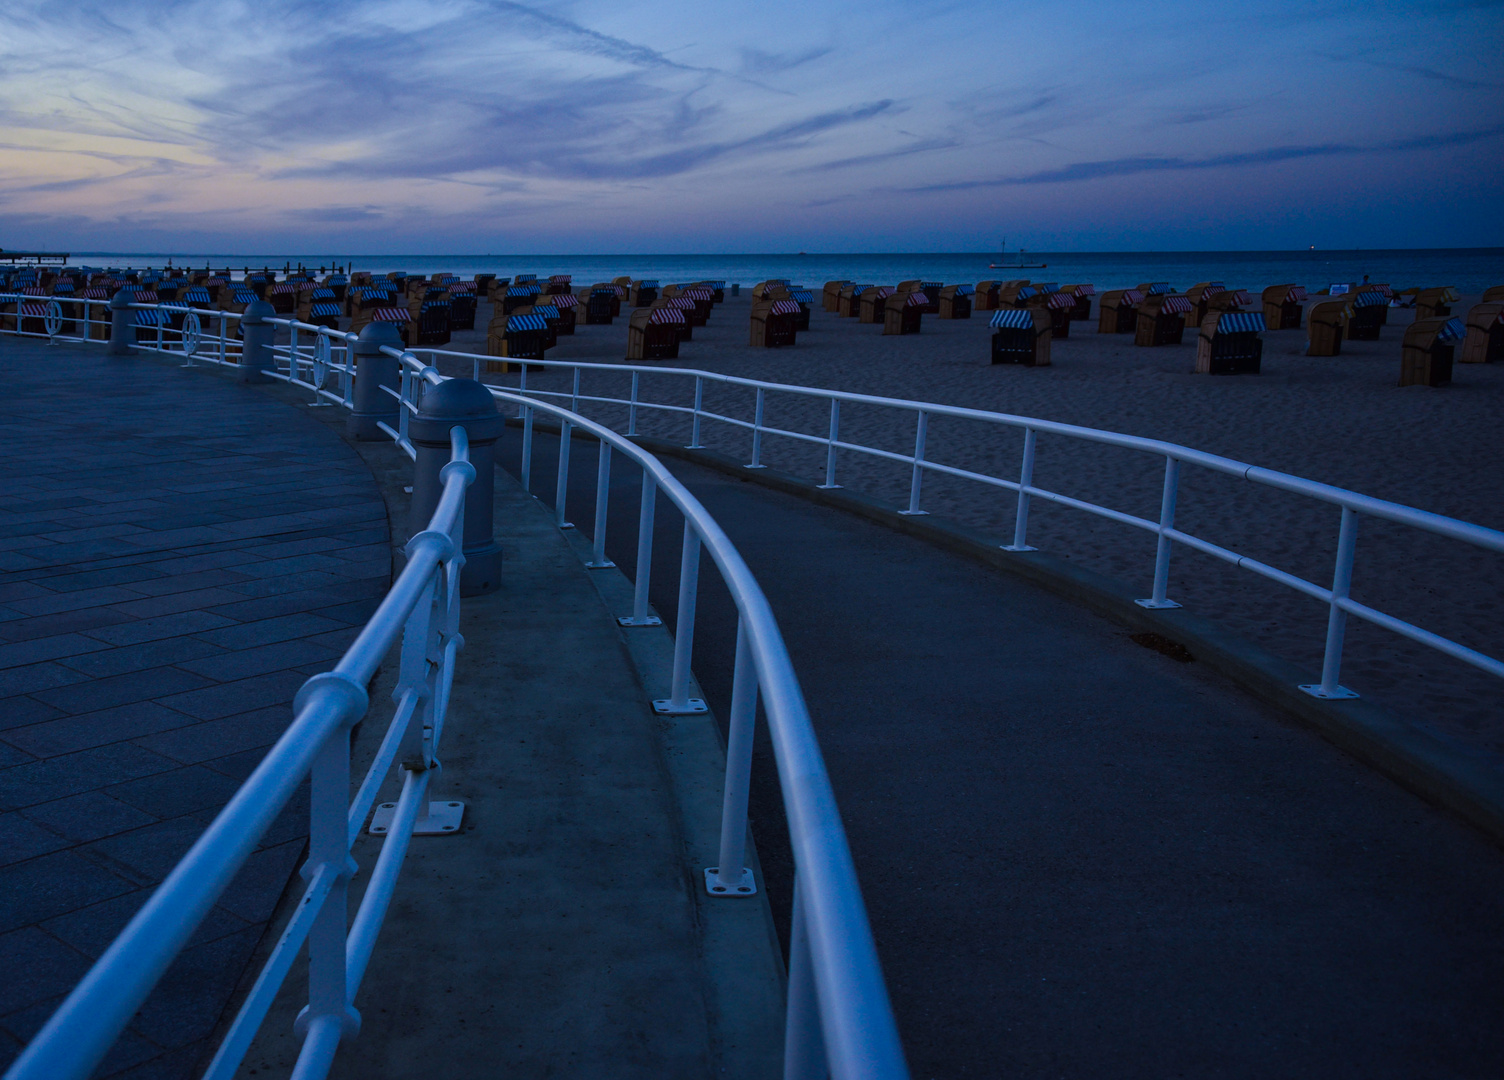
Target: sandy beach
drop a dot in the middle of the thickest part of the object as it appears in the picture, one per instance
(1340, 420)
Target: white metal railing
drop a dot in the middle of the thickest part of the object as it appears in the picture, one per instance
(838, 1022)
(1352, 505)
(422, 609)
(837, 1012)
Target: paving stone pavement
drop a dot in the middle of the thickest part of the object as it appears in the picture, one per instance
(177, 554)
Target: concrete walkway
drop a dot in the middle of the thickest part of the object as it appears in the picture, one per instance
(180, 553)
(1082, 857)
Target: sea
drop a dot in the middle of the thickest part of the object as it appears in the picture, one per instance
(1469, 270)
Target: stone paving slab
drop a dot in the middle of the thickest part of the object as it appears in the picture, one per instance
(178, 553)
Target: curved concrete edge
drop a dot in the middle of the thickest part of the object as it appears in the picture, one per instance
(1437, 768)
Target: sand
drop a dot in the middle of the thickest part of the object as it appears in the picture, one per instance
(1340, 420)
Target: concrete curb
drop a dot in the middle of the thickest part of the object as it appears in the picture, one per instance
(1433, 766)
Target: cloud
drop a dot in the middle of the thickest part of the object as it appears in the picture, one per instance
(1129, 166)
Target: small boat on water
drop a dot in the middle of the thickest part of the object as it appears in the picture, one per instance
(1004, 264)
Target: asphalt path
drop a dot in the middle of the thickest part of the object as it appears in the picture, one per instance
(1082, 857)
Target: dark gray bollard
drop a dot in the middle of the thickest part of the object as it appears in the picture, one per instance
(122, 325)
(459, 403)
(373, 370)
(256, 356)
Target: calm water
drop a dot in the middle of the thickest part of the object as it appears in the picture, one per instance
(1470, 270)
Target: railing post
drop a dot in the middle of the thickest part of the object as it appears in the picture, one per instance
(757, 413)
(527, 449)
(561, 489)
(1162, 551)
(574, 393)
(122, 329)
(598, 559)
(1025, 478)
(694, 433)
(830, 444)
(224, 335)
(803, 1040)
(632, 407)
(730, 877)
(640, 616)
(468, 404)
(329, 1016)
(1336, 620)
(374, 369)
(256, 356)
(292, 354)
(916, 480)
(679, 703)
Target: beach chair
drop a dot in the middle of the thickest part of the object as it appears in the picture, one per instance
(806, 300)
(1484, 343)
(568, 306)
(558, 283)
(775, 323)
(931, 290)
(516, 297)
(524, 336)
(1117, 312)
(1229, 343)
(1081, 312)
(874, 303)
(429, 319)
(1426, 353)
(283, 297)
(641, 294)
(653, 333)
(1161, 320)
(831, 297)
(1434, 303)
(462, 305)
(1154, 288)
(851, 300)
(1370, 310)
(985, 296)
(1014, 293)
(1282, 306)
(685, 327)
(598, 305)
(1021, 336)
(1494, 294)
(1383, 290)
(904, 310)
(324, 313)
(955, 302)
(1198, 294)
(1058, 306)
(1326, 325)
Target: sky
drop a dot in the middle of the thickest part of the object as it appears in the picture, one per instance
(490, 126)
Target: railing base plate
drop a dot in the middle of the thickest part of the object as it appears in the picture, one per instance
(747, 886)
(665, 707)
(646, 620)
(1339, 694)
(1157, 605)
(605, 564)
(443, 819)
(1018, 547)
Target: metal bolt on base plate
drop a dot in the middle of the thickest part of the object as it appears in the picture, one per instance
(646, 620)
(665, 707)
(443, 818)
(1339, 694)
(747, 886)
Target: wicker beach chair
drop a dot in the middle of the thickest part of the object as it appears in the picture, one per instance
(1057, 305)
(642, 293)
(985, 297)
(1081, 312)
(955, 302)
(830, 298)
(1494, 294)
(1426, 353)
(774, 323)
(653, 333)
(1282, 306)
(903, 311)
(1370, 311)
(1484, 343)
(1229, 343)
(1161, 320)
(1021, 336)
(1434, 303)
(1198, 294)
(1326, 326)
(1117, 312)
(874, 303)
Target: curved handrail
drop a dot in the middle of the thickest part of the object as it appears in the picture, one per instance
(1351, 503)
